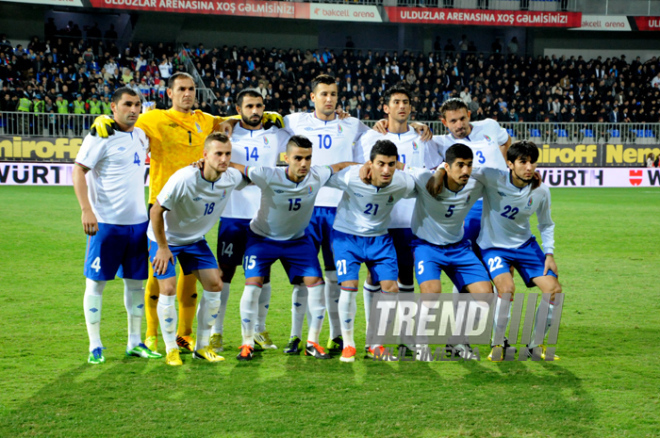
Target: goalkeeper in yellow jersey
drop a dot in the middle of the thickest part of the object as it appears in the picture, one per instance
(176, 139)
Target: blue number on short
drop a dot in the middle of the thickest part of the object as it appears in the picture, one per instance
(136, 159)
(254, 154)
(370, 207)
(450, 211)
(481, 157)
(208, 208)
(294, 204)
(325, 141)
(510, 213)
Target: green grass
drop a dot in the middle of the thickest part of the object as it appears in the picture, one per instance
(605, 385)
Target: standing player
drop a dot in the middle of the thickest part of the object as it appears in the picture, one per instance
(506, 239)
(252, 145)
(115, 218)
(176, 138)
(412, 152)
(333, 141)
(437, 223)
(360, 232)
(278, 231)
(187, 208)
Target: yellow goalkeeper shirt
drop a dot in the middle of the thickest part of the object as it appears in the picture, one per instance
(176, 139)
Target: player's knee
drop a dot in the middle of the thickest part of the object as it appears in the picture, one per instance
(93, 287)
(214, 285)
(556, 289)
(506, 289)
(227, 272)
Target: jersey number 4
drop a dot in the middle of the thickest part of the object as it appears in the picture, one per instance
(254, 154)
(136, 159)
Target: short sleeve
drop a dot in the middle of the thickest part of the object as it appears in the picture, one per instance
(324, 173)
(411, 190)
(433, 156)
(339, 180)
(283, 136)
(260, 176)
(171, 192)
(502, 135)
(91, 151)
(237, 178)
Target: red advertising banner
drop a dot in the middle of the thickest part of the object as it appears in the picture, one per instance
(249, 8)
(474, 17)
(647, 23)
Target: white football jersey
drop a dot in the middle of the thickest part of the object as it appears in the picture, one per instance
(365, 210)
(286, 207)
(334, 142)
(194, 204)
(412, 152)
(507, 209)
(116, 176)
(253, 148)
(439, 220)
(485, 140)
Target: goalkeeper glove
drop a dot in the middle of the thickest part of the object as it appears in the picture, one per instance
(271, 119)
(103, 126)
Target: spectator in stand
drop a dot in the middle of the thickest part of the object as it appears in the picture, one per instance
(650, 160)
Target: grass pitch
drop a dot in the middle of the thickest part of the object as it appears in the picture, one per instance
(606, 384)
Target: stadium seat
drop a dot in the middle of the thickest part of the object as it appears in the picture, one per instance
(535, 133)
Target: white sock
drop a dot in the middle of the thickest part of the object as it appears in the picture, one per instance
(539, 325)
(347, 310)
(207, 313)
(249, 310)
(134, 303)
(92, 302)
(298, 310)
(264, 303)
(502, 322)
(368, 291)
(167, 318)
(332, 292)
(220, 320)
(317, 311)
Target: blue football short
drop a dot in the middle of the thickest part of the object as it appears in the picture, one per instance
(472, 224)
(377, 253)
(299, 256)
(232, 236)
(528, 259)
(320, 230)
(458, 261)
(402, 238)
(117, 250)
(193, 257)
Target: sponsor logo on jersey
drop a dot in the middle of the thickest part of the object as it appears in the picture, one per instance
(199, 128)
(308, 128)
(357, 195)
(121, 149)
(390, 200)
(502, 194)
(173, 125)
(197, 198)
(278, 191)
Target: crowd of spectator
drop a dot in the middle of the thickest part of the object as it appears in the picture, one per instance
(81, 73)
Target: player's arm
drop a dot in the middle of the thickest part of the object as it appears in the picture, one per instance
(436, 182)
(341, 166)
(547, 229)
(423, 130)
(89, 222)
(505, 147)
(163, 255)
(365, 170)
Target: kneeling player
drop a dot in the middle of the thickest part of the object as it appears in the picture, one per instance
(277, 232)
(506, 239)
(188, 207)
(437, 223)
(115, 218)
(360, 232)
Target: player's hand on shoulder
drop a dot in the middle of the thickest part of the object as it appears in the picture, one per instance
(381, 126)
(89, 222)
(550, 264)
(424, 131)
(342, 114)
(103, 126)
(227, 127)
(536, 180)
(162, 259)
(199, 164)
(365, 172)
(435, 183)
(271, 118)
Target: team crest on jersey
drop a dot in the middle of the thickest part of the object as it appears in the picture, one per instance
(199, 128)
(173, 125)
(339, 129)
(529, 204)
(265, 140)
(415, 146)
(487, 138)
(467, 201)
(224, 193)
(390, 200)
(310, 190)
(199, 198)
